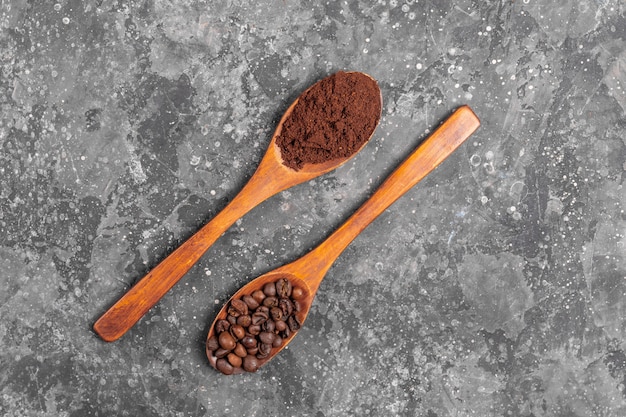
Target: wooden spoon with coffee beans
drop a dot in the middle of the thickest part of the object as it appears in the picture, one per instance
(224, 344)
(271, 177)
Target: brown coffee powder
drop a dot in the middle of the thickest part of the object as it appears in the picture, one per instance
(331, 120)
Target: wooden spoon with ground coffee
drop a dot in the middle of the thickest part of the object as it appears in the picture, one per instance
(248, 332)
(323, 128)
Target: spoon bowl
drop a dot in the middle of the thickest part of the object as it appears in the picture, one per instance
(271, 177)
(258, 284)
(308, 271)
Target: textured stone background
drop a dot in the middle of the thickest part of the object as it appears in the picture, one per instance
(494, 288)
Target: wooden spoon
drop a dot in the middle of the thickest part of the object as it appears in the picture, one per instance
(308, 271)
(271, 177)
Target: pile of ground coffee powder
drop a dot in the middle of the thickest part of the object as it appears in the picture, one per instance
(331, 120)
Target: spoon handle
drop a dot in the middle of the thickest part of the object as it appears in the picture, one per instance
(437, 147)
(140, 298)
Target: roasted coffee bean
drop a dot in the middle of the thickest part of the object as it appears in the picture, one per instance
(240, 350)
(221, 352)
(226, 341)
(258, 296)
(264, 350)
(276, 313)
(269, 289)
(250, 301)
(286, 307)
(250, 363)
(280, 326)
(238, 308)
(254, 329)
(270, 301)
(297, 293)
(244, 320)
(283, 288)
(286, 333)
(266, 337)
(222, 326)
(234, 360)
(278, 342)
(212, 344)
(237, 331)
(269, 326)
(224, 366)
(293, 323)
(259, 317)
(255, 325)
(249, 342)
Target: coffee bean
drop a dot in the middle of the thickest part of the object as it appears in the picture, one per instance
(293, 323)
(280, 326)
(286, 307)
(258, 296)
(249, 342)
(222, 326)
(266, 337)
(212, 344)
(286, 333)
(250, 301)
(256, 324)
(259, 317)
(269, 289)
(238, 308)
(250, 363)
(276, 313)
(269, 326)
(244, 320)
(278, 342)
(221, 352)
(226, 341)
(283, 288)
(224, 366)
(264, 350)
(237, 331)
(297, 293)
(254, 329)
(240, 350)
(270, 301)
(234, 360)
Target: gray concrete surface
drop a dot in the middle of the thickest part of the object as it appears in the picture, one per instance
(494, 288)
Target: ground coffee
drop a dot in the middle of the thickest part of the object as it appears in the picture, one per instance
(256, 324)
(331, 120)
